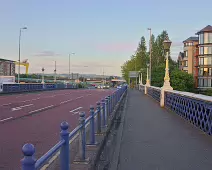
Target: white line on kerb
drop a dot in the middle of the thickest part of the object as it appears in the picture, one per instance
(66, 101)
(6, 104)
(75, 110)
(41, 109)
(6, 119)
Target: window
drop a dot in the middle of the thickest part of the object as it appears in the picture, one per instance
(200, 71)
(208, 61)
(209, 82)
(200, 82)
(201, 61)
(210, 71)
(208, 50)
(186, 63)
(205, 37)
(186, 53)
(201, 38)
(210, 37)
(201, 50)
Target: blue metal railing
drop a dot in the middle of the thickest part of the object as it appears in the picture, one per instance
(154, 92)
(103, 110)
(12, 88)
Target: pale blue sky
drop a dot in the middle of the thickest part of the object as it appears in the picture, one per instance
(103, 34)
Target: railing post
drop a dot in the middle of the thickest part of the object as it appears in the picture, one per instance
(98, 118)
(106, 110)
(64, 151)
(103, 112)
(28, 162)
(109, 100)
(92, 127)
(82, 137)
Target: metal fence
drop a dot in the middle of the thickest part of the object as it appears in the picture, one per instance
(154, 92)
(14, 88)
(103, 110)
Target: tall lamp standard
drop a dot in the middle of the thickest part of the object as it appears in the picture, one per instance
(166, 85)
(147, 75)
(70, 65)
(150, 55)
(19, 52)
(43, 75)
(55, 74)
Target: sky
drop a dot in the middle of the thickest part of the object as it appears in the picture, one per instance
(102, 34)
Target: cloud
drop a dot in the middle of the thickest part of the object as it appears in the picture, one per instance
(46, 54)
(116, 47)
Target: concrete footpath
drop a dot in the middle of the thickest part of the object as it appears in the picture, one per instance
(153, 138)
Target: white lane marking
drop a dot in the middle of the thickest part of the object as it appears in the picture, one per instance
(66, 101)
(77, 109)
(2, 120)
(89, 95)
(20, 107)
(80, 97)
(41, 109)
(6, 104)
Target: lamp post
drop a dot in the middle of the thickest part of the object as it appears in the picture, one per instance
(19, 52)
(141, 80)
(43, 76)
(147, 75)
(70, 65)
(150, 55)
(55, 76)
(166, 85)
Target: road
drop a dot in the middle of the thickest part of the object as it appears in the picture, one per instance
(36, 117)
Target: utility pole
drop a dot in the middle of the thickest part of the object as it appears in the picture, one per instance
(55, 72)
(150, 54)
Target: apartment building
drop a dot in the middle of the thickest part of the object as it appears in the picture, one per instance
(205, 57)
(7, 67)
(186, 59)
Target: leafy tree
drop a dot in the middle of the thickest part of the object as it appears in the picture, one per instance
(182, 81)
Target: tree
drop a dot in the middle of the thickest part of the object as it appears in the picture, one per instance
(182, 81)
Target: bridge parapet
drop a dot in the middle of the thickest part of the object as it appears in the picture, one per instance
(195, 108)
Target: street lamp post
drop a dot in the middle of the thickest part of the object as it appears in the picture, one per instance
(147, 75)
(55, 76)
(19, 53)
(43, 76)
(166, 85)
(70, 65)
(150, 55)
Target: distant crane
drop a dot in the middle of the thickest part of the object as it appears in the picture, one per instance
(25, 64)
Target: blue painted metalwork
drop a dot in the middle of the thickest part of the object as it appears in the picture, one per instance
(103, 112)
(98, 108)
(30, 163)
(92, 127)
(196, 111)
(154, 92)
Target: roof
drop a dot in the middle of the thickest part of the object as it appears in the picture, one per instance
(191, 39)
(1, 59)
(206, 29)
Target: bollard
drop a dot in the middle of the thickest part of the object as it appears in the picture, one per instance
(64, 151)
(98, 117)
(103, 113)
(106, 110)
(92, 127)
(28, 162)
(82, 137)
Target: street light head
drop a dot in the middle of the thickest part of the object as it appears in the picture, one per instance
(43, 69)
(24, 28)
(167, 43)
(147, 64)
(149, 28)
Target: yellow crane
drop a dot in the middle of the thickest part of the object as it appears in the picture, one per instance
(23, 63)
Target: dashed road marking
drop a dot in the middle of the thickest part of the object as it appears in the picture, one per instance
(41, 109)
(2, 120)
(80, 97)
(20, 107)
(75, 111)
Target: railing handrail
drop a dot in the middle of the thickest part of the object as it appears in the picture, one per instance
(192, 95)
(158, 88)
(29, 150)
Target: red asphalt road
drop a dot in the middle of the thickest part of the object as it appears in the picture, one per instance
(41, 129)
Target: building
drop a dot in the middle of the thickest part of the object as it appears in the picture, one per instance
(189, 53)
(205, 57)
(7, 67)
(180, 61)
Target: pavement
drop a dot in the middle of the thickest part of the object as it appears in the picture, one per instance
(35, 118)
(154, 138)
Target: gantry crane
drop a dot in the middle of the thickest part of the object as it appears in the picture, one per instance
(24, 63)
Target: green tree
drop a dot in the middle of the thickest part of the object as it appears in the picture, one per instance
(182, 81)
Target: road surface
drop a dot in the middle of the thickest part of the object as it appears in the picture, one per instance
(35, 118)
